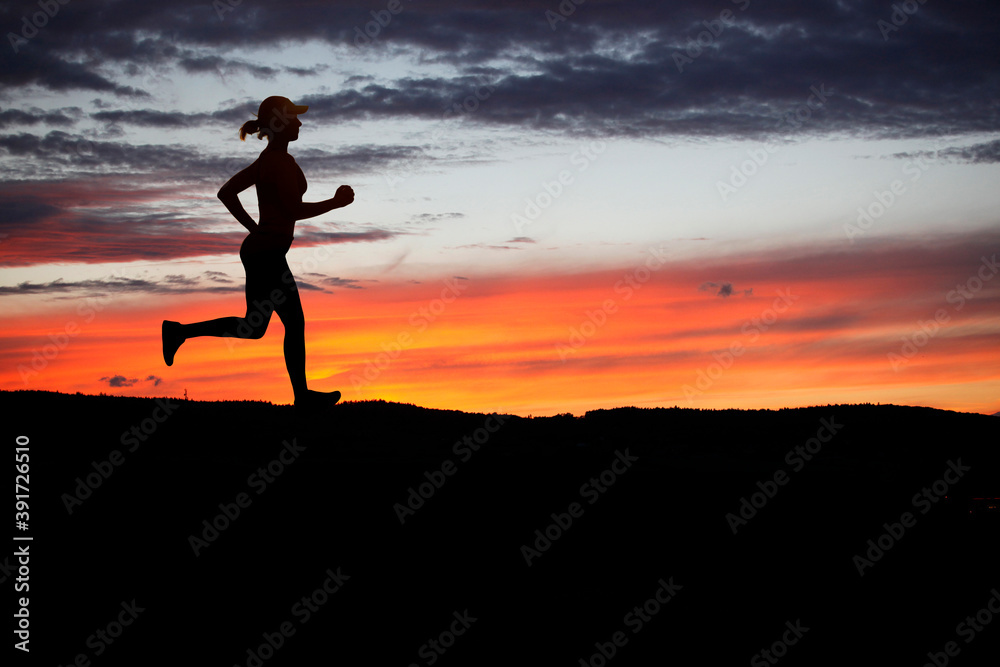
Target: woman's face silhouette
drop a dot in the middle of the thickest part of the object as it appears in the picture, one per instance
(290, 130)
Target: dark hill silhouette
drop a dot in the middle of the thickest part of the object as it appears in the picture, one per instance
(336, 503)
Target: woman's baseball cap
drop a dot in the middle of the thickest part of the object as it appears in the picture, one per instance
(278, 105)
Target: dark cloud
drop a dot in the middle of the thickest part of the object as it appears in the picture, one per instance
(114, 285)
(217, 277)
(725, 289)
(988, 152)
(119, 381)
(343, 282)
(64, 152)
(16, 212)
(45, 69)
(615, 71)
(224, 67)
(983, 153)
(354, 159)
(35, 116)
(154, 118)
(435, 217)
(319, 238)
(211, 282)
(621, 67)
(179, 280)
(59, 149)
(316, 70)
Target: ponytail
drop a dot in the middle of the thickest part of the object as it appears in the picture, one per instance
(251, 127)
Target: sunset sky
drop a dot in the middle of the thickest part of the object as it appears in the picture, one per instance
(559, 207)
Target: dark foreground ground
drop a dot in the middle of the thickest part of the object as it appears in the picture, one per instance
(319, 569)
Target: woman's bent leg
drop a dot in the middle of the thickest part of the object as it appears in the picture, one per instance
(252, 325)
(263, 272)
(222, 327)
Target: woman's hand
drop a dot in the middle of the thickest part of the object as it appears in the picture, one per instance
(343, 197)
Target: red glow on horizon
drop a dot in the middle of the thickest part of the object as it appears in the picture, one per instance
(561, 343)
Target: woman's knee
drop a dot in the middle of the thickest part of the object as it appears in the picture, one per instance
(294, 322)
(254, 325)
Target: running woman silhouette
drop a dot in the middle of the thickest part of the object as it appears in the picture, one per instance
(270, 285)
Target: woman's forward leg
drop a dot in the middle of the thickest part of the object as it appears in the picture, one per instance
(292, 317)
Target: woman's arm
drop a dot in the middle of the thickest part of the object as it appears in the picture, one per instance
(229, 194)
(344, 196)
(286, 175)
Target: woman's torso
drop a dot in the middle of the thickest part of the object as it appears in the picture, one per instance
(274, 217)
